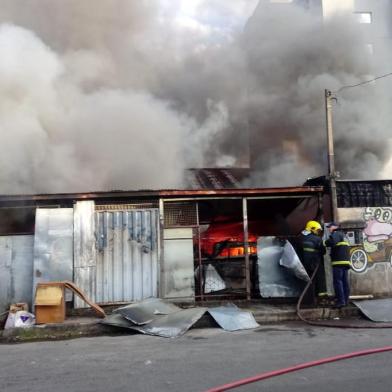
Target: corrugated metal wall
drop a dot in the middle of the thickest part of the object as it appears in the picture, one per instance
(16, 270)
(84, 250)
(127, 255)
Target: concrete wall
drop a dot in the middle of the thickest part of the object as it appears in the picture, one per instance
(376, 276)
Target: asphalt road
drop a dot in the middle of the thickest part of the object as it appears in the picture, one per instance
(200, 359)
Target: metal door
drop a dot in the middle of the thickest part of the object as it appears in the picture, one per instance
(126, 255)
(53, 246)
(16, 270)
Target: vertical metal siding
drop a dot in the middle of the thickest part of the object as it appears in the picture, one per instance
(16, 270)
(127, 255)
(84, 250)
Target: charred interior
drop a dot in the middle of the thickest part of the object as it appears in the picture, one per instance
(225, 234)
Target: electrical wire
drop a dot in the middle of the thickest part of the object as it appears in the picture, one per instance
(362, 83)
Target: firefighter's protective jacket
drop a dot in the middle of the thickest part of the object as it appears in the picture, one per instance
(340, 251)
(313, 249)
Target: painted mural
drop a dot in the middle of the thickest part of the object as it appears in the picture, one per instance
(377, 239)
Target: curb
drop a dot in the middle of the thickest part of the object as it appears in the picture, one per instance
(309, 314)
(57, 332)
(94, 328)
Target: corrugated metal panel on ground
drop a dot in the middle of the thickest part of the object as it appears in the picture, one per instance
(127, 255)
(53, 245)
(16, 269)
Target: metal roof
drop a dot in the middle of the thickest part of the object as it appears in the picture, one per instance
(216, 178)
(156, 194)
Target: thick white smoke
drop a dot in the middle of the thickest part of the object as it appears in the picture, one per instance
(298, 57)
(57, 137)
(83, 102)
(128, 94)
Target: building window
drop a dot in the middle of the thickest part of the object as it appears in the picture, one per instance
(363, 17)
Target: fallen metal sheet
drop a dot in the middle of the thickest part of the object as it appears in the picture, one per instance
(231, 318)
(378, 310)
(291, 261)
(172, 325)
(116, 320)
(168, 326)
(144, 312)
(212, 281)
(275, 280)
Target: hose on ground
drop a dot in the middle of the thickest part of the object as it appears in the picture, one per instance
(274, 373)
(331, 324)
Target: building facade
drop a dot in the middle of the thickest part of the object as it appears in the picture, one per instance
(121, 247)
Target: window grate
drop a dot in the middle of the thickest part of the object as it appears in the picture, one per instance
(136, 205)
(180, 214)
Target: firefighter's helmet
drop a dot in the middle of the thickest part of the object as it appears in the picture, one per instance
(313, 226)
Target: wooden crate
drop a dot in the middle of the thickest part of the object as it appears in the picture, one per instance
(49, 303)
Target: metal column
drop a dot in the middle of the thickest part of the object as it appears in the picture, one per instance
(246, 245)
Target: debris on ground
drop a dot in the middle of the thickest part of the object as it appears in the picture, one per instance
(377, 310)
(19, 319)
(156, 317)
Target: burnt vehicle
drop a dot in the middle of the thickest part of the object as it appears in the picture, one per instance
(225, 239)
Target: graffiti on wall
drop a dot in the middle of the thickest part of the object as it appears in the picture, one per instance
(377, 239)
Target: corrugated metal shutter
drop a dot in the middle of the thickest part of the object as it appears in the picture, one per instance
(127, 255)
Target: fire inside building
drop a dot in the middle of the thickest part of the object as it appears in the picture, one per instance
(186, 245)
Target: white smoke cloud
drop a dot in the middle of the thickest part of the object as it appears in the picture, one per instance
(57, 137)
(83, 102)
(127, 95)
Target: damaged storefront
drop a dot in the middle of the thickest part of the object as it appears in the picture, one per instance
(185, 245)
(234, 242)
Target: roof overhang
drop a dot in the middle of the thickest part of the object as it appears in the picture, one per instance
(157, 194)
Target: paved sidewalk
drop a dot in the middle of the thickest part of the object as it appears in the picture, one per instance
(79, 326)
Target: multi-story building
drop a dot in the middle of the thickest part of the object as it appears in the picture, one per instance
(373, 16)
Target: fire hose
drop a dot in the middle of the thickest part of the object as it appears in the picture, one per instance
(290, 369)
(332, 325)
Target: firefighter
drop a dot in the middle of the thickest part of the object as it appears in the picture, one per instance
(313, 251)
(340, 260)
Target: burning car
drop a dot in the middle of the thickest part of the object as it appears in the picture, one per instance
(225, 239)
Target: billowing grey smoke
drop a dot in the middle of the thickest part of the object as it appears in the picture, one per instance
(81, 102)
(293, 59)
(120, 95)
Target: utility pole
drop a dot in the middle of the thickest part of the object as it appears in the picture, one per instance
(332, 175)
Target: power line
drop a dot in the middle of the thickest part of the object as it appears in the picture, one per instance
(365, 82)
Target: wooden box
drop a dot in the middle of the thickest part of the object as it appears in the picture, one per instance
(49, 303)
